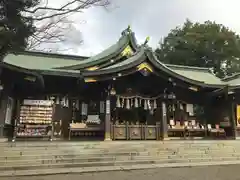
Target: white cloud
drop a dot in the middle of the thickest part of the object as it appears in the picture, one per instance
(152, 18)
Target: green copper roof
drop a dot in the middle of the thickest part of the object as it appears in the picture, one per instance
(61, 72)
(71, 66)
(196, 73)
(130, 60)
(37, 62)
(101, 56)
(106, 55)
(233, 80)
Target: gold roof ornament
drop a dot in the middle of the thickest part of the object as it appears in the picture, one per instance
(93, 68)
(193, 88)
(90, 80)
(144, 68)
(127, 51)
(146, 40)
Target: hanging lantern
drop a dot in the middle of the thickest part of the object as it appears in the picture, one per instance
(154, 104)
(57, 100)
(181, 106)
(149, 104)
(67, 102)
(82, 108)
(145, 105)
(118, 104)
(63, 101)
(52, 98)
(136, 103)
(102, 107)
(122, 105)
(132, 104)
(128, 104)
(112, 92)
(77, 104)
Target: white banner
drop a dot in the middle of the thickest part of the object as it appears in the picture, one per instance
(9, 110)
(37, 102)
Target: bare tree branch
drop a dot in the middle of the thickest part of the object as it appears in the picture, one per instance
(53, 26)
(55, 31)
(70, 7)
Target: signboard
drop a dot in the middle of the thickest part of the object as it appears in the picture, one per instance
(37, 102)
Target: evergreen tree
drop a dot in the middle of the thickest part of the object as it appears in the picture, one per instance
(208, 45)
(14, 27)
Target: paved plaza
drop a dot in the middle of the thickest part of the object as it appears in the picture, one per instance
(226, 172)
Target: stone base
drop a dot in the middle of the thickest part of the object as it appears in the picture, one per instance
(107, 136)
(166, 139)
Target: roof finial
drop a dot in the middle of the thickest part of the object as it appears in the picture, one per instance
(129, 28)
(146, 40)
(127, 31)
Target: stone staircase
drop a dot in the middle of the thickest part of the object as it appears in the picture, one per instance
(36, 156)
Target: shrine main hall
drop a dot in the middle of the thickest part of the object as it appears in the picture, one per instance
(123, 93)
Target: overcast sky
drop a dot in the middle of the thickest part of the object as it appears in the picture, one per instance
(152, 18)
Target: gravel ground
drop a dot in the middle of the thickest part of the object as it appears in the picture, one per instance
(226, 172)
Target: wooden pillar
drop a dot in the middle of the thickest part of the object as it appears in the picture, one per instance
(164, 125)
(3, 108)
(107, 135)
(16, 119)
(233, 119)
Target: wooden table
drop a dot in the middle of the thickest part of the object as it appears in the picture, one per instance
(177, 130)
(217, 132)
(190, 132)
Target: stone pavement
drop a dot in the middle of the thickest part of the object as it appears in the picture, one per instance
(224, 172)
(77, 170)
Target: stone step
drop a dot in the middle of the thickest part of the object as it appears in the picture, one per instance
(110, 149)
(108, 163)
(17, 154)
(72, 151)
(134, 143)
(148, 143)
(80, 158)
(97, 153)
(75, 149)
(82, 154)
(115, 146)
(69, 165)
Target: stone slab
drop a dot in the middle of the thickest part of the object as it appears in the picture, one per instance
(41, 172)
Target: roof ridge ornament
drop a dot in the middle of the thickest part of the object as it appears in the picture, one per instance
(127, 31)
(146, 40)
